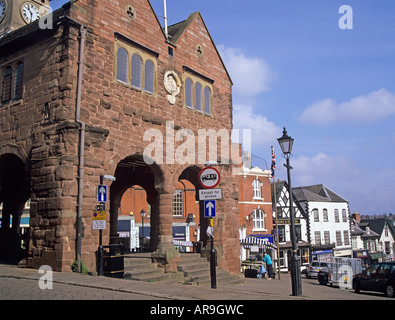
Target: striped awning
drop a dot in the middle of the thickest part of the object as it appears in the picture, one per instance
(254, 241)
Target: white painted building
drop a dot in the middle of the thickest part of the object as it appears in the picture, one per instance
(329, 221)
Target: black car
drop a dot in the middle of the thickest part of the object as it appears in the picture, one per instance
(379, 277)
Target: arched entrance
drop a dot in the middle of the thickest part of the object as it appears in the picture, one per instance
(14, 192)
(133, 171)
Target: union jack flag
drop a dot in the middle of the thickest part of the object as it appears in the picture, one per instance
(273, 162)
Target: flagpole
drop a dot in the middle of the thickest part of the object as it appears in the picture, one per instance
(275, 210)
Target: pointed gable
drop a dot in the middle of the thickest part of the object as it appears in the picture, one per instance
(194, 30)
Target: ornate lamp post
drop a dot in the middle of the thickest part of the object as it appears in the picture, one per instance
(286, 143)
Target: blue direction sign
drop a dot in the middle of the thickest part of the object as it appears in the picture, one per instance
(209, 208)
(102, 193)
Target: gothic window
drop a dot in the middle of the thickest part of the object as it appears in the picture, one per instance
(177, 203)
(207, 100)
(259, 219)
(256, 184)
(136, 71)
(122, 65)
(198, 96)
(188, 93)
(18, 84)
(149, 76)
(7, 80)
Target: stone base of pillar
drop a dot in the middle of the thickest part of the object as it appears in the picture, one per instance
(166, 256)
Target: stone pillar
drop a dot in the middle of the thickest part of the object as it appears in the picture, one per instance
(165, 253)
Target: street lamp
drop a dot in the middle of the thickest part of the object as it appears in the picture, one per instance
(286, 143)
(142, 214)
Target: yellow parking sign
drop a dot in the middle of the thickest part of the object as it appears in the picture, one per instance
(99, 215)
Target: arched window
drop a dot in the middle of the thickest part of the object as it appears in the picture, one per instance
(207, 100)
(256, 185)
(122, 65)
(198, 97)
(7, 80)
(136, 71)
(188, 93)
(258, 219)
(316, 215)
(18, 84)
(149, 77)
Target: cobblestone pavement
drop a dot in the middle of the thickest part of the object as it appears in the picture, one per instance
(24, 284)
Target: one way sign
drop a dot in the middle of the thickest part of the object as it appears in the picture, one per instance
(102, 193)
(209, 208)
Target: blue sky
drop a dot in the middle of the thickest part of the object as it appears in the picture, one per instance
(333, 89)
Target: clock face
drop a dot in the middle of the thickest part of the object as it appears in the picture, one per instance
(30, 12)
(3, 7)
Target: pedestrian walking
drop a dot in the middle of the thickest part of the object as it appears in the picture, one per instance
(269, 263)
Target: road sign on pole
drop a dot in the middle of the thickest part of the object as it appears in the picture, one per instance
(209, 208)
(101, 193)
(209, 177)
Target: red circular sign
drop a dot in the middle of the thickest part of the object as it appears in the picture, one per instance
(209, 177)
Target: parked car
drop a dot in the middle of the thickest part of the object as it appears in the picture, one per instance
(379, 277)
(315, 267)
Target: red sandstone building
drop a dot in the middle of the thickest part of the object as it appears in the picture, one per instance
(82, 95)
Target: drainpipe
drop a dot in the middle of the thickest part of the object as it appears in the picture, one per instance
(81, 146)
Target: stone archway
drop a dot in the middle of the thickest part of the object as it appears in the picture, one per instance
(14, 192)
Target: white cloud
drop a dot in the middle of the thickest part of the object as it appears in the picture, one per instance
(263, 131)
(250, 75)
(373, 106)
(325, 169)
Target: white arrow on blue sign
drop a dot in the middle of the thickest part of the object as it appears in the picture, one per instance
(102, 193)
(209, 208)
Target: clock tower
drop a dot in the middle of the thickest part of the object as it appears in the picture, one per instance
(18, 13)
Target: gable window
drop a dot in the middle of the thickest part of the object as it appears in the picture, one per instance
(136, 71)
(258, 219)
(18, 84)
(122, 65)
(177, 203)
(198, 96)
(149, 76)
(256, 185)
(7, 80)
(316, 215)
(188, 93)
(207, 100)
